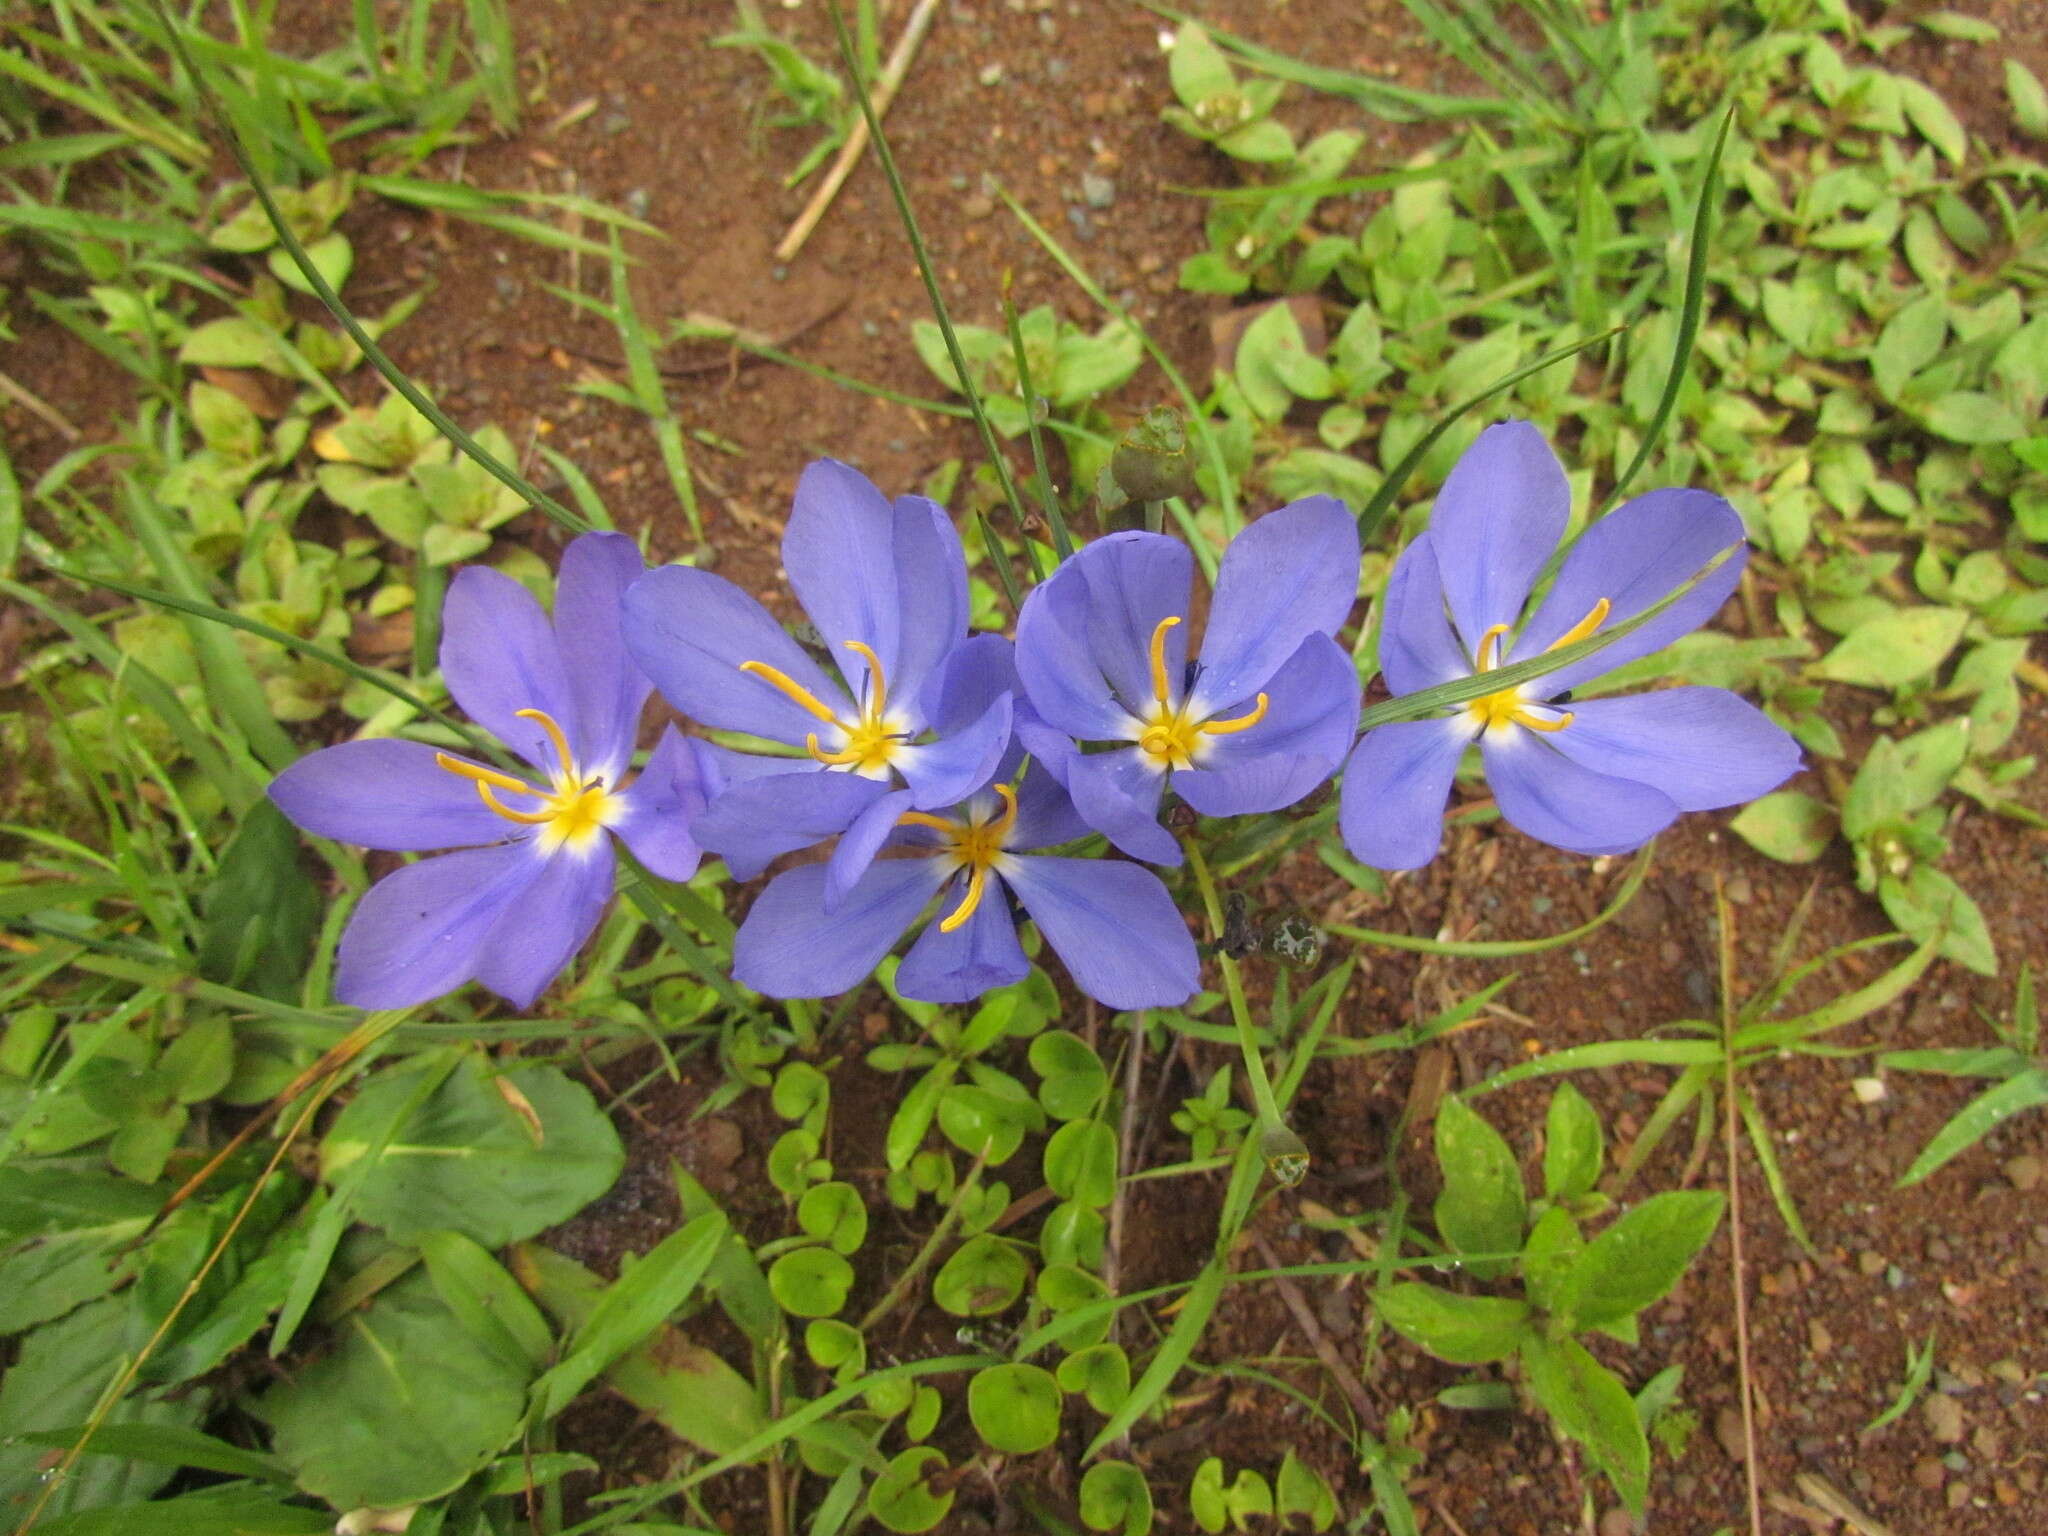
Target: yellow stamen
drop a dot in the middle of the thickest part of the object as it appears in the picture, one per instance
(482, 775)
(927, 819)
(795, 692)
(1241, 723)
(1508, 707)
(1579, 631)
(977, 882)
(878, 700)
(1159, 679)
(975, 846)
(526, 818)
(547, 723)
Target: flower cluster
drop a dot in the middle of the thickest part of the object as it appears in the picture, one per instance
(939, 773)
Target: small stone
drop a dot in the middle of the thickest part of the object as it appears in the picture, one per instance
(979, 206)
(719, 1140)
(1956, 1461)
(1944, 1418)
(1818, 1340)
(1728, 1430)
(1868, 1090)
(1740, 891)
(1957, 1496)
(990, 74)
(2005, 1493)
(1895, 1277)
(1871, 1262)
(1097, 191)
(1937, 1251)
(1928, 1473)
(1617, 1522)
(2023, 1172)
(2010, 1371)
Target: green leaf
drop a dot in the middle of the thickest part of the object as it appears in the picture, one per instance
(1910, 340)
(403, 1408)
(231, 1510)
(332, 256)
(1934, 119)
(489, 1302)
(1080, 1162)
(1465, 1330)
(233, 342)
(1072, 1079)
(1970, 416)
(1015, 1408)
(1264, 142)
(1788, 826)
(1639, 1258)
(1587, 1402)
(1100, 1372)
(262, 912)
(1572, 1146)
(834, 1213)
(984, 1276)
(1977, 1119)
(810, 1282)
(900, 1499)
(1197, 67)
(1115, 1497)
(645, 1296)
(1482, 1208)
(1894, 648)
(1925, 902)
(2029, 100)
(467, 1161)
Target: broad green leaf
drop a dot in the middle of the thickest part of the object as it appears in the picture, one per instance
(1588, 1403)
(1970, 416)
(46, 1276)
(1465, 1330)
(231, 1510)
(810, 1282)
(1935, 120)
(1910, 340)
(468, 1160)
(487, 1300)
(1925, 902)
(1482, 1207)
(1572, 1146)
(1197, 67)
(1894, 648)
(233, 342)
(1900, 777)
(1115, 1497)
(1788, 826)
(1015, 1408)
(404, 1406)
(1640, 1257)
(1264, 142)
(2029, 100)
(1080, 1162)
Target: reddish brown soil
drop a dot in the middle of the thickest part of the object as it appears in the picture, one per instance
(1963, 1256)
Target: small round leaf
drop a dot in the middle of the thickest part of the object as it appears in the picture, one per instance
(810, 1282)
(1015, 1408)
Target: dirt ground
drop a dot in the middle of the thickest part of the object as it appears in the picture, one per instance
(1035, 94)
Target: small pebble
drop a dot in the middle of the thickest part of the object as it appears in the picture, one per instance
(1728, 1430)
(1617, 1522)
(991, 74)
(1871, 1262)
(1097, 191)
(2023, 1172)
(1944, 1418)
(1928, 1473)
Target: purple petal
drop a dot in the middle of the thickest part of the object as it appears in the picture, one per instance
(758, 820)
(658, 813)
(958, 967)
(609, 689)
(1633, 557)
(972, 677)
(789, 947)
(944, 773)
(1703, 747)
(1391, 810)
(1311, 717)
(1050, 749)
(1496, 521)
(1117, 795)
(1291, 574)
(859, 844)
(1045, 813)
(1417, 648)
(528, 946)
(931, 585)
(1084, 638)
(1113, 925)
(499, 656)
(839, 550)
(388, 794)
(1554, 800)
(420, 931)
(689, 630)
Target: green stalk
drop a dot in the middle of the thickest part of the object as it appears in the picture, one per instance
(1285, 1154)
(1062, 542)
(887, 160)
(930, 1250)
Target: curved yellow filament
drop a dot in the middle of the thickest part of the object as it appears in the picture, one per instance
(1488, 644)
(927, 819)
(1508, 707)
(481, 774)
(1159, 678)
(975, 845)
(1241, 723)
(547, 723)
(1594, 618)
(790, 689)
(878, 700)
(526, 818)
(977, 883)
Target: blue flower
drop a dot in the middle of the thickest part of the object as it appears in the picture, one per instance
(1261, 719)
(1604, 775)
(822, 928)
(537, 867)
(886, 587)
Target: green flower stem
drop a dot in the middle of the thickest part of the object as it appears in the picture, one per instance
(930, 1250)
(1285, 1154)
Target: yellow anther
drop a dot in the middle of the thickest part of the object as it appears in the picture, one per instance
(481, 774)
(974, 846)
(1159, 678)
(790, 689)
(878, 699)
(927, 819)
(526, 818)
(1579, 631)
(1538, 723)
(977, 882)
(547, 723)
(1241, 723)
(1488, 644)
